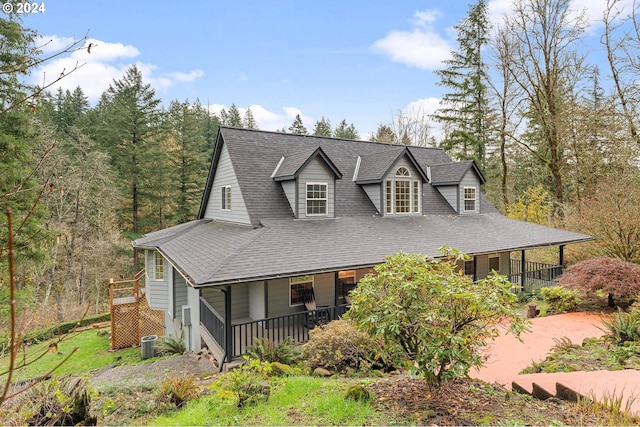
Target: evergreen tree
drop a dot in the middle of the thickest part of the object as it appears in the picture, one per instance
(249, 121)
(344, 131)
(323, 128)
(21, 149)
(297, 127)
(465, 107)
(385, 134)
(188, 158)
(210, 123)
(132, 124)
(233, 117)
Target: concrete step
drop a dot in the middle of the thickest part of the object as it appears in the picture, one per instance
(602, 386)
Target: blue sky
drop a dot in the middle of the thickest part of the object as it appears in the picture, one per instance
(361, 60)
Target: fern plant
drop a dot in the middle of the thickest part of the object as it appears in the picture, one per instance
(622, 326)
(268, 351)
(172, 345)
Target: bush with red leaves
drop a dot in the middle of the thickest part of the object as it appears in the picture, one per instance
(610, 275)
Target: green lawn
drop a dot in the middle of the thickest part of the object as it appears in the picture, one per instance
(299, 400)
(93, 352)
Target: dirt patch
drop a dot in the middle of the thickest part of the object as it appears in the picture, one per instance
(155, 370)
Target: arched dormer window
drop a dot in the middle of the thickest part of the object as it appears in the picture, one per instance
(402, 194)
(403, 172)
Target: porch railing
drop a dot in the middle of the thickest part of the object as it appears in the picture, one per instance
(213, 322)
(245, 334)
(536, 275)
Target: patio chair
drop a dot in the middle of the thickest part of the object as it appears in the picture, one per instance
(316, 316)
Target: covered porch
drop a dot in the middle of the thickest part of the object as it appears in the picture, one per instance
(270, 309)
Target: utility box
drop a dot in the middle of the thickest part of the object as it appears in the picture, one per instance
(148, 346)
(186, 315)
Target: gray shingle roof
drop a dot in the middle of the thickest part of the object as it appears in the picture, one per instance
(451, 173)
(255, 155)
(209, 252)
(212, 252)
(290, 166)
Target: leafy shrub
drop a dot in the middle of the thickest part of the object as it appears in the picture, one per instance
(172, 345)
(249, 384)
(430, 315)
(58, 403)
(339, 346)
(176, 390)
(281, 369)
(622, 327)
(268, 351)
(560, 299)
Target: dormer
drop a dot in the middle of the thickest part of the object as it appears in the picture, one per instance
(308, 178)
(459, 183)
(392, 180)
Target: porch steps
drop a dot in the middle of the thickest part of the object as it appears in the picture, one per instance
(602, 386)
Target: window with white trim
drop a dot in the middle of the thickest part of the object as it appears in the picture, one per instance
(416, 196)
(297, 286)
(469, 199)
(402, 194)
(494, 263)
(158, 266)
(226, 198)
(317, 198)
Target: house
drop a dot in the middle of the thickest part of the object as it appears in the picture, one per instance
(282, 214)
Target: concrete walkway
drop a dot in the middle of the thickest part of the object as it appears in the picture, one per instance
(506, 356)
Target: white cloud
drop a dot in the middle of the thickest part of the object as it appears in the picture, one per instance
(424, 17)
(421, 47)
(268, 120)
(186, 77)
(97, 69)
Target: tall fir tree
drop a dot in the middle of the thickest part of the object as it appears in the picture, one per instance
(21, 149)
(322, 128)
(132, 122)
(465, 107)
(345, 131)
(249, 121)
(297, 127)
(385, 134)
(188, 157)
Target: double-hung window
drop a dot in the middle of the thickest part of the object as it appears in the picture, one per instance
(317, 198)
(158, 266)
(226, 198)
(469, 199)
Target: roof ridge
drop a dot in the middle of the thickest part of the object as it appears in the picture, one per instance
(273, 132)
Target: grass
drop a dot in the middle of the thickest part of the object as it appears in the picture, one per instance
(93, 353)
(305, 400)
(301, 400)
